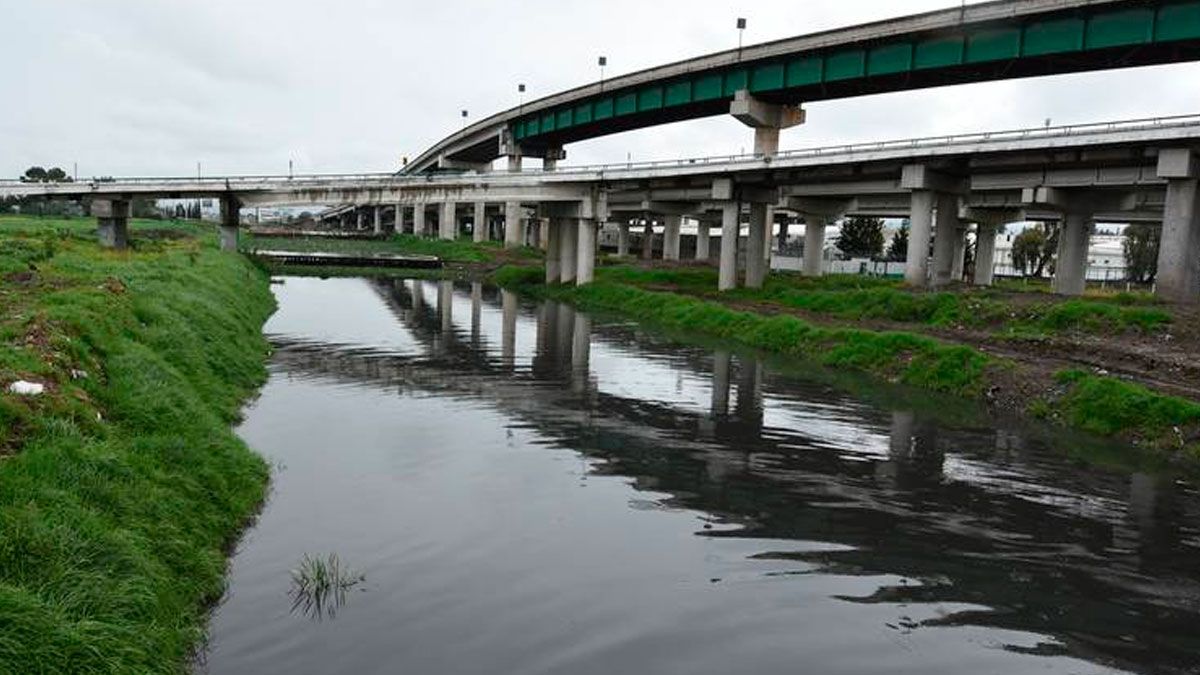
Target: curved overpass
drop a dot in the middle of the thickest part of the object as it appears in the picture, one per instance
(990, 41)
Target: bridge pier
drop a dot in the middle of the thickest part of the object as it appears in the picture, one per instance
(946, 239)
(672, 226)
(554, 251)
(648, 236)
(359, 219)
(1070, 273)
(623, 238)
(703, 239)
(398, 225)
(756, 254)
(479, 226)
(1178, 276)
(419, 219)
(585, 252)
(231, 210)
(112, 222)
(514, 233)
(814, 246)
(378, 219)
(448, 221)
(731, 216)
(568, 251)
(985, 253)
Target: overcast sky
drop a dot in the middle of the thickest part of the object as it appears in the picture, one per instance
(150, 87)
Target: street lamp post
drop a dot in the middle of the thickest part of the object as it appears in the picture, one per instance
(741, 26)
(603, 61)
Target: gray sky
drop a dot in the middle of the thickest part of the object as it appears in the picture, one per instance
(150, 87)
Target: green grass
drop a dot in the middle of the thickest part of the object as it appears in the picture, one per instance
(857, 298)
(123, 486)
(1109, 406)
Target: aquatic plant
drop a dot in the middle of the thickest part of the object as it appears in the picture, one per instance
(319, 585)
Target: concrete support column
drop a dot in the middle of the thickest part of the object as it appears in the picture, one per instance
(568, 246)
(784, 226)
(703, 240)
(585, 263)
(1178, 277)
(945, 239)
(231, 220)
(920, 233)
(514, 163)
(671, 236)
(398, 226)
(960, 253)
(623, 239)
(359, 219)
(378, 219)
(985, 254)
(514, 232)
(479, 223)
(554, 251)
(756, 267)
(648, 239)
(1070, 272)
(730, 226)
(448, 221)
(814, 246)
(768, 237)
(112, 222)
(419, 219)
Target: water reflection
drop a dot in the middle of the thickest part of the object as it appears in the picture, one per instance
(981, 545)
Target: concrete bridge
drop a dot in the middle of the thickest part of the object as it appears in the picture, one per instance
(1141, 170)
(1131, 171)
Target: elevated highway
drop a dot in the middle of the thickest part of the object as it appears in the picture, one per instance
(981, 42)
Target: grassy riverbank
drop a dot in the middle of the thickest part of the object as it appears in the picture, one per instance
(122, 484)
(1087, 400)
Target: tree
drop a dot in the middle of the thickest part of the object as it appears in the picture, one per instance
(34, 174)
(57, 175)
(898, 249)
(1141, 252)
(861, 237)
(1034, 249)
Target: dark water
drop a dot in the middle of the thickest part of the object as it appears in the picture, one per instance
(530, 490)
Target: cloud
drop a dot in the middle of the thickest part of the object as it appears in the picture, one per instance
(152, 86)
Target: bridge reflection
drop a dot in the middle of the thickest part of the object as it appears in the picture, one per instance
(986, 524)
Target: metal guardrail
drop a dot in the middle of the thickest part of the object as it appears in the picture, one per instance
(393, 179)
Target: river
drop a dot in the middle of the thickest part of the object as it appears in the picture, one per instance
(528, 489)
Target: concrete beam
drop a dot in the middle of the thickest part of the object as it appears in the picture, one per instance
(921, 177)
(1178, 163)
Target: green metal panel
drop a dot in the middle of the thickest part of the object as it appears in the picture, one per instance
(994, 44)
(518, 131)
(939, 53)
(888, 59)
(766, 78)
(1053, 37)
(564, 119)
(805, 71)
(679, 93)
(1114, 29)
(532, 127)
(626, 104)
(1179, 21)
(735, 81)
(650, 98)
(547, 122)
(603, 109)
(583, 113)
(845, 65)
(707, 87)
